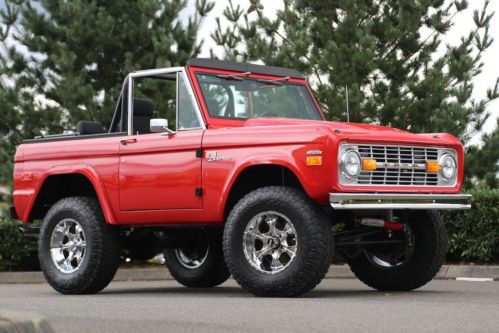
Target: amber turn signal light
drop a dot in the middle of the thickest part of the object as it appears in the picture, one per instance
(432, 166)
(314, 160)
(369, 164)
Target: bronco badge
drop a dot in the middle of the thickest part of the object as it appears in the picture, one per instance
(213, 157)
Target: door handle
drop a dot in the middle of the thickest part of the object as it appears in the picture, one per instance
(124, 142)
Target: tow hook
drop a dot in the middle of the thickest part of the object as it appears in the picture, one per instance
(380, 223)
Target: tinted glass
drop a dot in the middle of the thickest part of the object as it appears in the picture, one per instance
(240, 97)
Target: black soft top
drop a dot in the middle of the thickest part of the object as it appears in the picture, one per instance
(244, 67)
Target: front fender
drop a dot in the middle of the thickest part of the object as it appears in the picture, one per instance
(314, 180)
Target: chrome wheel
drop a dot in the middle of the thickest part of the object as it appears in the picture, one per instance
(390, 256)
(270, 242)
(67, 246)
(192, 258)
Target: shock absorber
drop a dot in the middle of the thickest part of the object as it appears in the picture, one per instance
(381, 223)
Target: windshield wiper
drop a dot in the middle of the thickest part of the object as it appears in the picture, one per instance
(236, 77)
(277, 82)
(272, 82)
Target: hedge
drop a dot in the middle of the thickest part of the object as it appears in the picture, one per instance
(16, 252)
(473, 235)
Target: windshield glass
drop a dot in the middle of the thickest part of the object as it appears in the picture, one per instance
(239, 97)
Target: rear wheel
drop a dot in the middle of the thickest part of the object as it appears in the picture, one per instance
(408, 264)
(79, 253)
(277, 242)
(198, 266)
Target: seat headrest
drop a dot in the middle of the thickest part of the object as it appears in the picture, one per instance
(85, 127)
(142, 108)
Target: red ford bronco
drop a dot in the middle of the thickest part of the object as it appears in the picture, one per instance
(231, 168)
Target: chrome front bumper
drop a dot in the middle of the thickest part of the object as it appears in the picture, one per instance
(399, 201)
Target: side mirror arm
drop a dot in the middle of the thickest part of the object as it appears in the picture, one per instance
(168, 131)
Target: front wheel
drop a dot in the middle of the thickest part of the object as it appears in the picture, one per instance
(408, 265)
(277, 242)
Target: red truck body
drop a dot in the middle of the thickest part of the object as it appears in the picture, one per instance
(253, 182)
(152, 179)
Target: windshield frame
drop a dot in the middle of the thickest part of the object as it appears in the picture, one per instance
(239, 121)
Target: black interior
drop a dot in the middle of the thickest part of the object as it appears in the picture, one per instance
(212, 105)
(142, 115)
(85, 127)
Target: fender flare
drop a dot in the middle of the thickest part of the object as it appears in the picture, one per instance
(92, 176)
(259, 161)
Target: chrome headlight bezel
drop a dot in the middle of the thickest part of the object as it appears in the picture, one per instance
(443, 158)
(345, 152)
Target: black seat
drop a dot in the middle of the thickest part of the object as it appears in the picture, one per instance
(85, 127)
(142, 115)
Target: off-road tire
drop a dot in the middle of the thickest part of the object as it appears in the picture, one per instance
(313, 255)
(212, 271)
(102, 253)
(429, 254)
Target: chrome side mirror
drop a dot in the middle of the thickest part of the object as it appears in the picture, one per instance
(160, 125)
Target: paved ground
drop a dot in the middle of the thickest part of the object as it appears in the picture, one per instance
(337, 305)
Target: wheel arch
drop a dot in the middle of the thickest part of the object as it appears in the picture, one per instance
(253, 176)
(68, 181)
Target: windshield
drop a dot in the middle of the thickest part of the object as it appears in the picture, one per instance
(239, 97)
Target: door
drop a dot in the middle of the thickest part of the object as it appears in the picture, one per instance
(161, 171)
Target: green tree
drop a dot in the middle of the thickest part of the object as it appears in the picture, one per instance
(482, 162)
(391, 55)
(64, 61)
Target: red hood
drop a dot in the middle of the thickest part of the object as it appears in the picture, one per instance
(362, 132)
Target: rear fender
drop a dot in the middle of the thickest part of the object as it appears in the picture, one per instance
(88, 172)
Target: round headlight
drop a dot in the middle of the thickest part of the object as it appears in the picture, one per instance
(448, 166)
(350, 163)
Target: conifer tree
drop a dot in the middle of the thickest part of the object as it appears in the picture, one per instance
(391, 54)
(65, 61)
(482, 162)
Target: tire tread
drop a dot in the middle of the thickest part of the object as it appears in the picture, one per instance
(105, 258)
(414, 278)
(320, 238)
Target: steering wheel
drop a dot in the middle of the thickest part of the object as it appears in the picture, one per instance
(229, 108)
(269, 114)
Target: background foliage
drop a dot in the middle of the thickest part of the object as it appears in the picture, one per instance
(391, 55)
(16, 252)
(64, 61)
(474, 234)
(70, 58)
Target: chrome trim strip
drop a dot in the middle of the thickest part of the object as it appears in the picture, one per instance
(130, 105)
(176, 99)
(392, 165)
(399, 201)
(158, 71)
(152, 72)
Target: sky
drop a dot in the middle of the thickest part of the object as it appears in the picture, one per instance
(463, 24)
